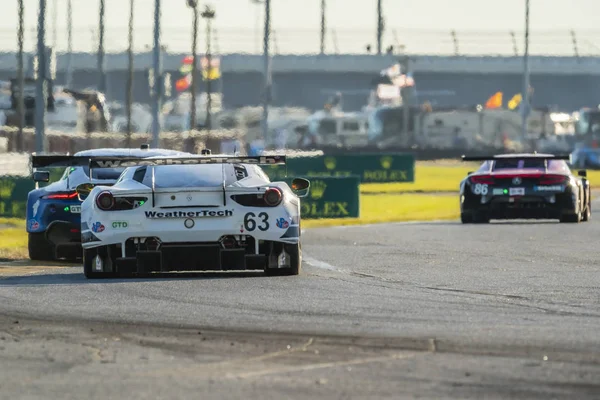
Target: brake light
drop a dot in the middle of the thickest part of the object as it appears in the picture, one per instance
(61, 196)
(272, 197)
(552, 179)
(105, 201)
(482, 179)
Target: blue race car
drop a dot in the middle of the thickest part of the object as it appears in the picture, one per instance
(54, 211)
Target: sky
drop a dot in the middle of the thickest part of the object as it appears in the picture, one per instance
(422, 26)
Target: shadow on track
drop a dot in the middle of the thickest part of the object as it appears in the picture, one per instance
(77, 278)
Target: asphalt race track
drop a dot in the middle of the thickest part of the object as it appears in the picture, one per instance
(428, 310)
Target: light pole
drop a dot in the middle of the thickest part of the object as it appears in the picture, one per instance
(267, 72)
(101, 72)
(323, 27)
(41, 83)
(158, 86)
(380, 25)
(208, 14)
(193, 4)
(21, 77)
(69, 79)
(130, 73)
(526, 107)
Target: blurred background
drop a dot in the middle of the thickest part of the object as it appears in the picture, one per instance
(434, 78)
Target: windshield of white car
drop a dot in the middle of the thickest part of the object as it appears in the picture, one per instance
(110, 174)
(179, 176)
(104, 173)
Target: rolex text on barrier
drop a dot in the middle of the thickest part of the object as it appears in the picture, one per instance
(370, 168)
(331, 197)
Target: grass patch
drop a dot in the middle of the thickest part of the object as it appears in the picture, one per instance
(13, 243)
(12, 222)
(381, 208)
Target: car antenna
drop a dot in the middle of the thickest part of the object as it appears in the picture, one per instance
(224, 192)
(153, 185)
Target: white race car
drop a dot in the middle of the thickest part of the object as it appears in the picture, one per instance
(201, 213)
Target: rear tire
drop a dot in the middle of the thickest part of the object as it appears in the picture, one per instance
(466, 218)
(481, 218)
(571, 218)
(295, 252)
(587, 214)
(40, 249)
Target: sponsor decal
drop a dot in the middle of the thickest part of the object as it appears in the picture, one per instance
(386, 162)
(75, 209)
(36, 205)
(188, 214)
(497, 192)
(282, 223)
(317, 189)
(97, 227)
(480, 189)
(329, 162)
(516, 191)
(120, 224)
(101, 162)
(555, 188)
(253, 221)
(33, 224)
(328, 209)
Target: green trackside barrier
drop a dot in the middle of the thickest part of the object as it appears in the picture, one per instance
(331, 197)
(371, 168)
(14, 190)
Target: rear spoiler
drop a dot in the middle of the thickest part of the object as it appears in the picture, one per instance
(58, 161)
(62, 161)
(518, 157)
(122, 162)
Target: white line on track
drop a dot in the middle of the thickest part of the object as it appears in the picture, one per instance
(313, 262)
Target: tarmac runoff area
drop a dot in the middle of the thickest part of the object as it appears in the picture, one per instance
(431, 310)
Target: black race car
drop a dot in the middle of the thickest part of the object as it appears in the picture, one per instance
(524, 186)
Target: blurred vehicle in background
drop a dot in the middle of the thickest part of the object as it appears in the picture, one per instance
(585, 157)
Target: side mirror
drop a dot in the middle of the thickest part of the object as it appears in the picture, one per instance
(83, 190)
(469, 173)
(582, 172)
(300, 187)
(41, 176)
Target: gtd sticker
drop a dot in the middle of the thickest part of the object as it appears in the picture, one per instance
(480, 189)
(120, 224)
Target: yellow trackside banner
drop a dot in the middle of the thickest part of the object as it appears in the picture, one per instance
(515, 101)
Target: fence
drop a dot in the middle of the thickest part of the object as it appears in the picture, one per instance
(177, 39)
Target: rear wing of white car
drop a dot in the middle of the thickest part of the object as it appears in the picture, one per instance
(121, 162)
